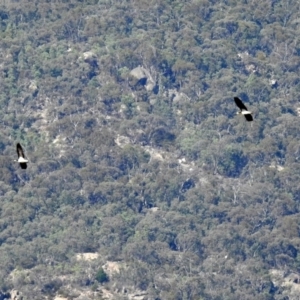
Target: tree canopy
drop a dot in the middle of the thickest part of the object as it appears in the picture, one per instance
(174, 195)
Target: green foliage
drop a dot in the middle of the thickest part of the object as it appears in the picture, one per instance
(55, 72)
(101, 276)
(232, 162)
(110, 161)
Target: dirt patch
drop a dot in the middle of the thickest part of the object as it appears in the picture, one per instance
(111, 267)
(87, 256)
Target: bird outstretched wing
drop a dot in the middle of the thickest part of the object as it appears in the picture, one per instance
(249, 117)
(20, 151)
(240, 104)
(23, 166)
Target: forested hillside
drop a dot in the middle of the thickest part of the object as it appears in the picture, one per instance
(143, 183)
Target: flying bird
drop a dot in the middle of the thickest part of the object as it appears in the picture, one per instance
(243, 109)
(21, 157)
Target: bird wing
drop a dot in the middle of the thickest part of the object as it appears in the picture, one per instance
(239, 103)
(249, 117)
(23, 165)
(20, 151)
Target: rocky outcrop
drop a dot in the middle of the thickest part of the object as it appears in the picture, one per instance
(273, 83)
(289, 282)
(15, 295)
(142, 76)
(33, 88)
(87, 256)
(175, 96)
(90, 58)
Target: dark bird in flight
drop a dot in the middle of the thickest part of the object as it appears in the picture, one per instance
(21, 157)
(243, 109)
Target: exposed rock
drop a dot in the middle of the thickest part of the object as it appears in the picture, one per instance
(150, 86)
(182, 160)
(90, 58)
(60, 144)
(142, 107)
(280, 168)
(139, 295)
(139, 73)
(60, 298)
(170, 93)
(185, 165)
(155, 154)
(176, 96)
(33, 86)
(277, 167)
(203, 180)
(123, 108)
(143, 77)
(290, 282)
(87, 256)
(152, 101)
(8, 56)
(83, 297)
(243, 55)
(111, 267)
(16, 295)
(273, 83)
(153, 209)
(179, 97)
(107, 294)
(122, 141)
(89, 55)
(251, 68)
